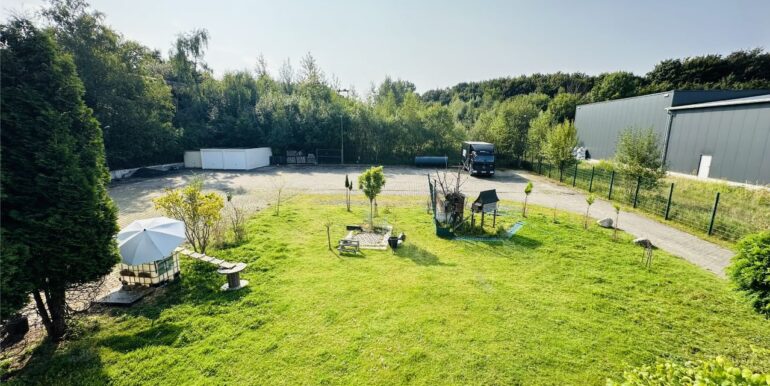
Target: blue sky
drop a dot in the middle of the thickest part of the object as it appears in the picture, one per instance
(440, 43)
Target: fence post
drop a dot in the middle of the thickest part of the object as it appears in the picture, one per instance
(541, 166)
(638, 184)
(574, 175)
(561, 172)
(668, 204)
(714, 214)
(591, 184)
(549, 170)
(612, 182)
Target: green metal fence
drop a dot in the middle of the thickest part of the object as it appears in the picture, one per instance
(659, 199)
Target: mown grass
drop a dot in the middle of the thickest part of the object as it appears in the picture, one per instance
(741, 210)
(557, 305)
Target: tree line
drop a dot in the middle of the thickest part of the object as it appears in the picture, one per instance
(151, 107)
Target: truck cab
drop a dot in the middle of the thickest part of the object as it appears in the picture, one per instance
(479, 158)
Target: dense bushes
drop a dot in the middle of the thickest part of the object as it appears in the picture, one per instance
(750, 270)
(718, 371)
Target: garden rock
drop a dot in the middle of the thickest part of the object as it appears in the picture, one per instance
(643, 242)
(605, 222)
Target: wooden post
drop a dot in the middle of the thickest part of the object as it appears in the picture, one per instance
(612, 182)
(636, 195)
(714, 214)
(494, 218)
(482, 217)
(668, 204)
(591, 184)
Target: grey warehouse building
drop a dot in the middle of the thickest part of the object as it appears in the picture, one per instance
(721, 134)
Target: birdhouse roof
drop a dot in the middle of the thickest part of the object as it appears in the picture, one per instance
(487, 197)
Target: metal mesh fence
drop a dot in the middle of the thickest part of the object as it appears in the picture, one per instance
(712, 217)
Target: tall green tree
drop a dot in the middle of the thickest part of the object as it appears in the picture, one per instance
(509, 129)
(124, 87)
(561, 140)
(537, 135)
(616, 85)
(186, 73)
(563, 106)
(745, 69)
(57, 222)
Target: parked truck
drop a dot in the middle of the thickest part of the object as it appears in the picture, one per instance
(479, 158)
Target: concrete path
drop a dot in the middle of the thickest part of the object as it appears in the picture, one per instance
(254, 189)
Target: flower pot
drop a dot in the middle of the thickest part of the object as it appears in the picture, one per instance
(393, 242)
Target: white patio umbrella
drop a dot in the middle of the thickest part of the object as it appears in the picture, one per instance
(152, 239)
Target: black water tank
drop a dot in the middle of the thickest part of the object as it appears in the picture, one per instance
(431, 161)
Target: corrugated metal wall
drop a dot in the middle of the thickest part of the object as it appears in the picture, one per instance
(599, 124)
(691, 97)
(737, 137)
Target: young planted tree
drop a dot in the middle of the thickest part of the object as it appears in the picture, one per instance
(560, 143)
(328, 226)
(617, 218)
(237, 219)
(371, 183)
(279, 184)
(639, 155)
(348, 185)
(200, 212)
(350, 193)
(590, 201)
(527, 191)
(58, 222)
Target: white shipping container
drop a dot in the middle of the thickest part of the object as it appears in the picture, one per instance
(235, 159)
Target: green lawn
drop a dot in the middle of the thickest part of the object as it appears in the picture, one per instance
(741, 210)
(558, 305)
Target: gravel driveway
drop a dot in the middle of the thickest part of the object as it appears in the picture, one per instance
(254, 189)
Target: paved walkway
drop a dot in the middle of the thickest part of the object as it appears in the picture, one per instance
(254, 189)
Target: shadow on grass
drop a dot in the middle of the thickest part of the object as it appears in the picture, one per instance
(419, 255)
(164, 334)
(518, 245)
(78, 363)
(198, 285)
(351, 255)
(517, 240)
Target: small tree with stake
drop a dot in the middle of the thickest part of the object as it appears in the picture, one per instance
(371, 183)
(590, 201)
(527, 191)
(348, 186)
(350, 192)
